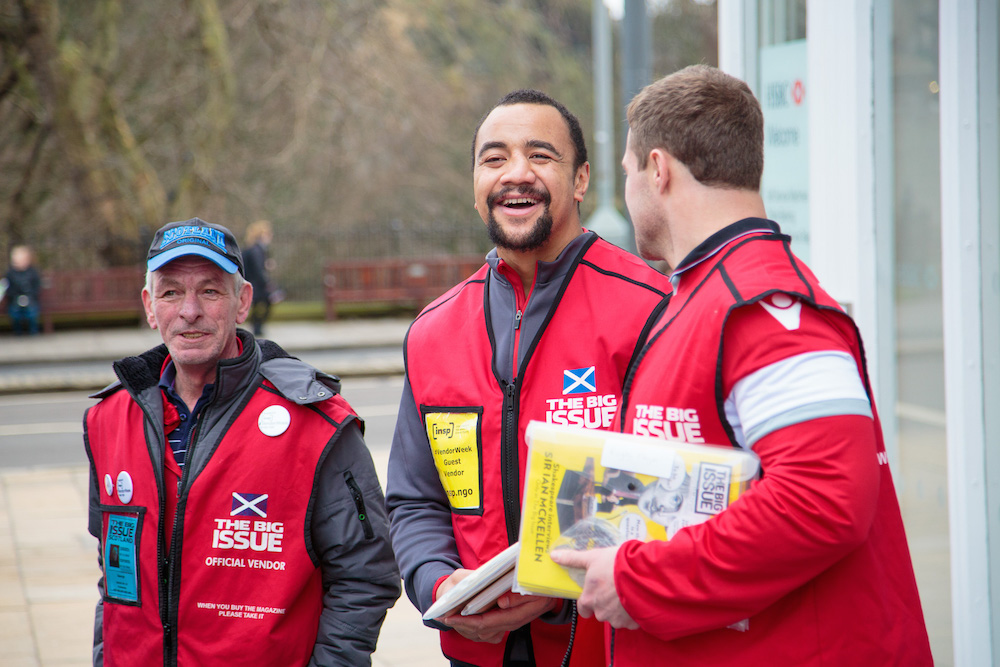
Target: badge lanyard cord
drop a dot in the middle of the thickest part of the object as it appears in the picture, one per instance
(572, 636)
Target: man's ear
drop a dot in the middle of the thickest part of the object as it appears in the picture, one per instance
(661, 163)
(245, 300)
(147, 305)
(581, 182)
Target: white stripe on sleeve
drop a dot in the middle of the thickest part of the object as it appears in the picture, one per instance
(795, 390)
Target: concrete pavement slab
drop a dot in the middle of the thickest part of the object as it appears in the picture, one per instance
(48, 560)
(48, 577)
(58, 361)
(113, 343)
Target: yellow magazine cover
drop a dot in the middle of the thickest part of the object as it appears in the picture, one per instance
(585, 489)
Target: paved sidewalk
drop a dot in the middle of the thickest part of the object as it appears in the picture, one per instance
(45, 352)
(48, 578)
(99, 344)
(48, 560)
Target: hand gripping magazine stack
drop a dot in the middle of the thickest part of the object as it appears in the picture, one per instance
(478, 591)
(586, 489)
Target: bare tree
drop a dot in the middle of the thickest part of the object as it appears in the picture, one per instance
(342, 122)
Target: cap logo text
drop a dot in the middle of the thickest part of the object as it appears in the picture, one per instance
(194, 233)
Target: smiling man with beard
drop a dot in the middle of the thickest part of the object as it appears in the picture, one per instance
(549, 326)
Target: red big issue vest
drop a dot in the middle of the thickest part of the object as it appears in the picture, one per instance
(476, 425)
(249, 592)
(680, 371)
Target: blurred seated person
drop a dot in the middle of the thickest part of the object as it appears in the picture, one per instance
(23, 284)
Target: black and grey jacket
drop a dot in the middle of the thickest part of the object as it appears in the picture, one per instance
(360, 579)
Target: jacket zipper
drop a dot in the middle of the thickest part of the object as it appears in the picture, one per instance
(359, 502)
(169, 640)
(509, 461)
(510, 477)
(163, 562)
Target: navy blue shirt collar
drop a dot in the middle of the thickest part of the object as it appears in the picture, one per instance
(168, 379)
(714, 243)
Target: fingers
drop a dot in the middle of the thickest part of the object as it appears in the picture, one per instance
(492, 625)
(599, 597)
(472, 629)
(570, 558)
(511, 600)
(451, 581)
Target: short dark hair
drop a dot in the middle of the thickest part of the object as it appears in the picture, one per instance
(707, 119)
(531, 96)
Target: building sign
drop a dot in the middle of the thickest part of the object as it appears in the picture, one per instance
(784, 98)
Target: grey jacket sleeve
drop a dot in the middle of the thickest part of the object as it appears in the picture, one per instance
(350, 535)
(419, 511)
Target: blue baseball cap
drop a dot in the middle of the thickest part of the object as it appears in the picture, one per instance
(195, 237)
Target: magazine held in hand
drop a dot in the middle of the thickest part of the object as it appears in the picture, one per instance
(478, 591)
(585, 489)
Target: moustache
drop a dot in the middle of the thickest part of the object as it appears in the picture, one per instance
(541, 195)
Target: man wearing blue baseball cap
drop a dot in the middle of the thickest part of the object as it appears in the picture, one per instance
(195, 237)
(219, 557)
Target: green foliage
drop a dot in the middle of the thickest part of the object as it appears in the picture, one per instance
(686, 32)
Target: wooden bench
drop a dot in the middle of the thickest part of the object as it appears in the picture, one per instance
(86, 291)
(409, 282)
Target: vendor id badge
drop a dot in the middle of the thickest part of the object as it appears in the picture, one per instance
(121, 558)
(455, 444)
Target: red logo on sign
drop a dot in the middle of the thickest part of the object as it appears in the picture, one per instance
(798, 91)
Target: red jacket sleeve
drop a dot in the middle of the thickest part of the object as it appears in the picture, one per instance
(814, 504)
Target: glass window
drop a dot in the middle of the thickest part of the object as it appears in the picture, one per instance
(922, 482)
(781, 21)
(783, 94)
(990, 169)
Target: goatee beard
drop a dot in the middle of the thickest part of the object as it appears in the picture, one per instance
(537, 235)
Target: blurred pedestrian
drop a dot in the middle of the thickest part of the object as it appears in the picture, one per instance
(258, 264)
(220, 559)
(23, 285)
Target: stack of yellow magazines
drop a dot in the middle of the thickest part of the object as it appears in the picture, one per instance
(586, 489)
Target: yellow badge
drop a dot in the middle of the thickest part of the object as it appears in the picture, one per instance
(455, 445)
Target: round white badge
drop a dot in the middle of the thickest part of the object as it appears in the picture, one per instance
(274, 420)
(124, 487)
(109, 484)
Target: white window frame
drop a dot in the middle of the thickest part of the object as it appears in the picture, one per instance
(851, 216)
(850, 151)
(968, 313)
(989, 197)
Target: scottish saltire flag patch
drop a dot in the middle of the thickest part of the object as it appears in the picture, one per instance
(249, 504)
(579, 380)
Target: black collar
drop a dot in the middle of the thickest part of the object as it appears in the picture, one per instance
(719, 239)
